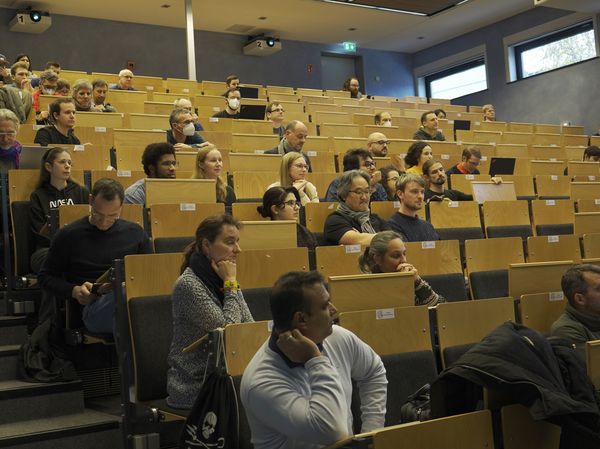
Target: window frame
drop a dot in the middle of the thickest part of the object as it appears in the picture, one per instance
(467, 65)
(549, 38)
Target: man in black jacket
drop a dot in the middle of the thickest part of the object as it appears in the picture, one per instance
(433, 172)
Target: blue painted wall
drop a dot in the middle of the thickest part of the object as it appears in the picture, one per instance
(567, 94)
(105, 46)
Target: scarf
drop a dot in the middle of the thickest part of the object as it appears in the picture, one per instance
(202, 268)
(363, 218)
(284, 147)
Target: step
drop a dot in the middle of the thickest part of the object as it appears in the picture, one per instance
(13, 330)
(89, 429)
(9, 356)
(20, 401)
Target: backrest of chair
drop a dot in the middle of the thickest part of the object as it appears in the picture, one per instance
(242, 340)
(247, 184)
(506, 213)
(493, 254)
(338, 260)
(520, 430)
(251, 143)
(585, 190)
(523, 184)
(548, 168)
(466, 431)
(88, 157)
(247, 211)
(396, 330)
(23, 238)
(463, 182)
(552, 211)
(539, 310)
(317, 213)
(268, 234)
(592, 349)
(21, 183)
(436, 257)
(148, 121)
(553, 247)
(591, 245)
(174, 191)
(454, 214)
(553, 185)
(123, 177)
(464, 322)
(588, 205)
(321, 181)
(151, 274)
(180, 220)
(69, 213)
(385, 209)
(583, 168)
(489, 191)
(586, 223)
(538, 277)
(356, 292)
(254, 162)
(258, 268)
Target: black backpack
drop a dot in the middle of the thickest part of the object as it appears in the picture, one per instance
(417, 407)
(214, 420)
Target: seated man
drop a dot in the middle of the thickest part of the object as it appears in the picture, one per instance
(81, 252)
(383, 119)
(377, 144)
(591, 154)
(297, 389)
(233, 103)
(159, 162)
(294, 138)
(62, 111)
(125, 81)
(352, 85)
(274, 113)
(471, 158)
(232, 82)
(184, 103)
(21, 83)
(433, 172)
(429, 129)
(183, 135)
(410, 190)
(359, 159)
(47, 86)
(580, 321)
(489, 114)
(5, 78)
(99, 91)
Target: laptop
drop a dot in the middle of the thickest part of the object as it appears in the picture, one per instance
(248, 92)
(252, 111)
(502, 166)
(462, 124)
(31, 156)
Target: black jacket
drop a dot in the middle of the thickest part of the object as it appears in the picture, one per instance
(542, 374)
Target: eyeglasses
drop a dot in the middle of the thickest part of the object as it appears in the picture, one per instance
(361, 192)
(301, 166)
(382, 142)
(97, 216)
(9, 134)
(369, 164)
(293, 204)
(169, 164)
(277, 110)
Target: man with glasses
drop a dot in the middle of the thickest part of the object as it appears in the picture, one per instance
(378, 144)
(275, 115)
(183, 135)
(125, 81)
(184, 103)
(294, 138)
(359, 159)
(83, 251)
(471, 158)
(159, 162)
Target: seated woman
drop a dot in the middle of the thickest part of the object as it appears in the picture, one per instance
(209, 165)
(206, 296)
(387, 254)
(352, 223)
(417, 154)
(10, 148)
(54, 188)
(82, 95)
(283, 203)
(292, 173)
(389, 178)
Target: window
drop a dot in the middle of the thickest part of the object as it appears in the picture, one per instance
(560, 49)
(457, 81)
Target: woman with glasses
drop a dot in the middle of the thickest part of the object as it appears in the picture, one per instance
(205, 297)
(389, 178)
(283, 203)
(387, 254)
(54, 188)
(209, 165)
(352, 223)
(417, 154)
(292, 173)
(10, 149)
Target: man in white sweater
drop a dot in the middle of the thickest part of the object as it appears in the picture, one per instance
(297, 389)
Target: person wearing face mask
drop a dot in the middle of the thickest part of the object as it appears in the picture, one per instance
(233, 103)
(383, 119)
(47, 86)
(183, 135)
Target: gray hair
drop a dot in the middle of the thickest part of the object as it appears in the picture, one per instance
(8, 115)
(48, 75)
(174, 117)
(80, 85)
(346, 182)
(405, 178)
(176, 103)
(377, 247)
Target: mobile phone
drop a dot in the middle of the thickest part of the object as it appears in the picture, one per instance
(95, 289)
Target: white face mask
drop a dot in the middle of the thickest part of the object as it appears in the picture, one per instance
(387, 123)
(189, 129)
(234, 103)
(48, 91)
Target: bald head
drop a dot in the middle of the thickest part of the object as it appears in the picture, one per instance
(377, 144)
(295, 134)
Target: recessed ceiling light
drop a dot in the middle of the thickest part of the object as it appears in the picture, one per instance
(165, 6)
(262, 18)
(352, 29)
(420, 38)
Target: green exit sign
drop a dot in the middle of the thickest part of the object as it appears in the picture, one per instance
(350, 46)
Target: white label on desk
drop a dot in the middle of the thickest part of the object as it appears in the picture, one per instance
(554, 177)
(216, 109)
(553, 159)
(396, 204)
(477, 123)
(556, 296)
(484, 158)
(351, 249)
(445, 157)
(597, 201)
(591, 178)
(124, 173)
(385, 314)
(259, 151)
(470, 177)
(187, 206)
(550, 203)
(452, 203)
(428, 245)
(458, 114)
(450, 122)
(36, 127)
(149, 87)
(186, 90)
(213, 119)
(270, 325)
(78, 148)
(553, 238)
(311, 153)
(100, 129)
